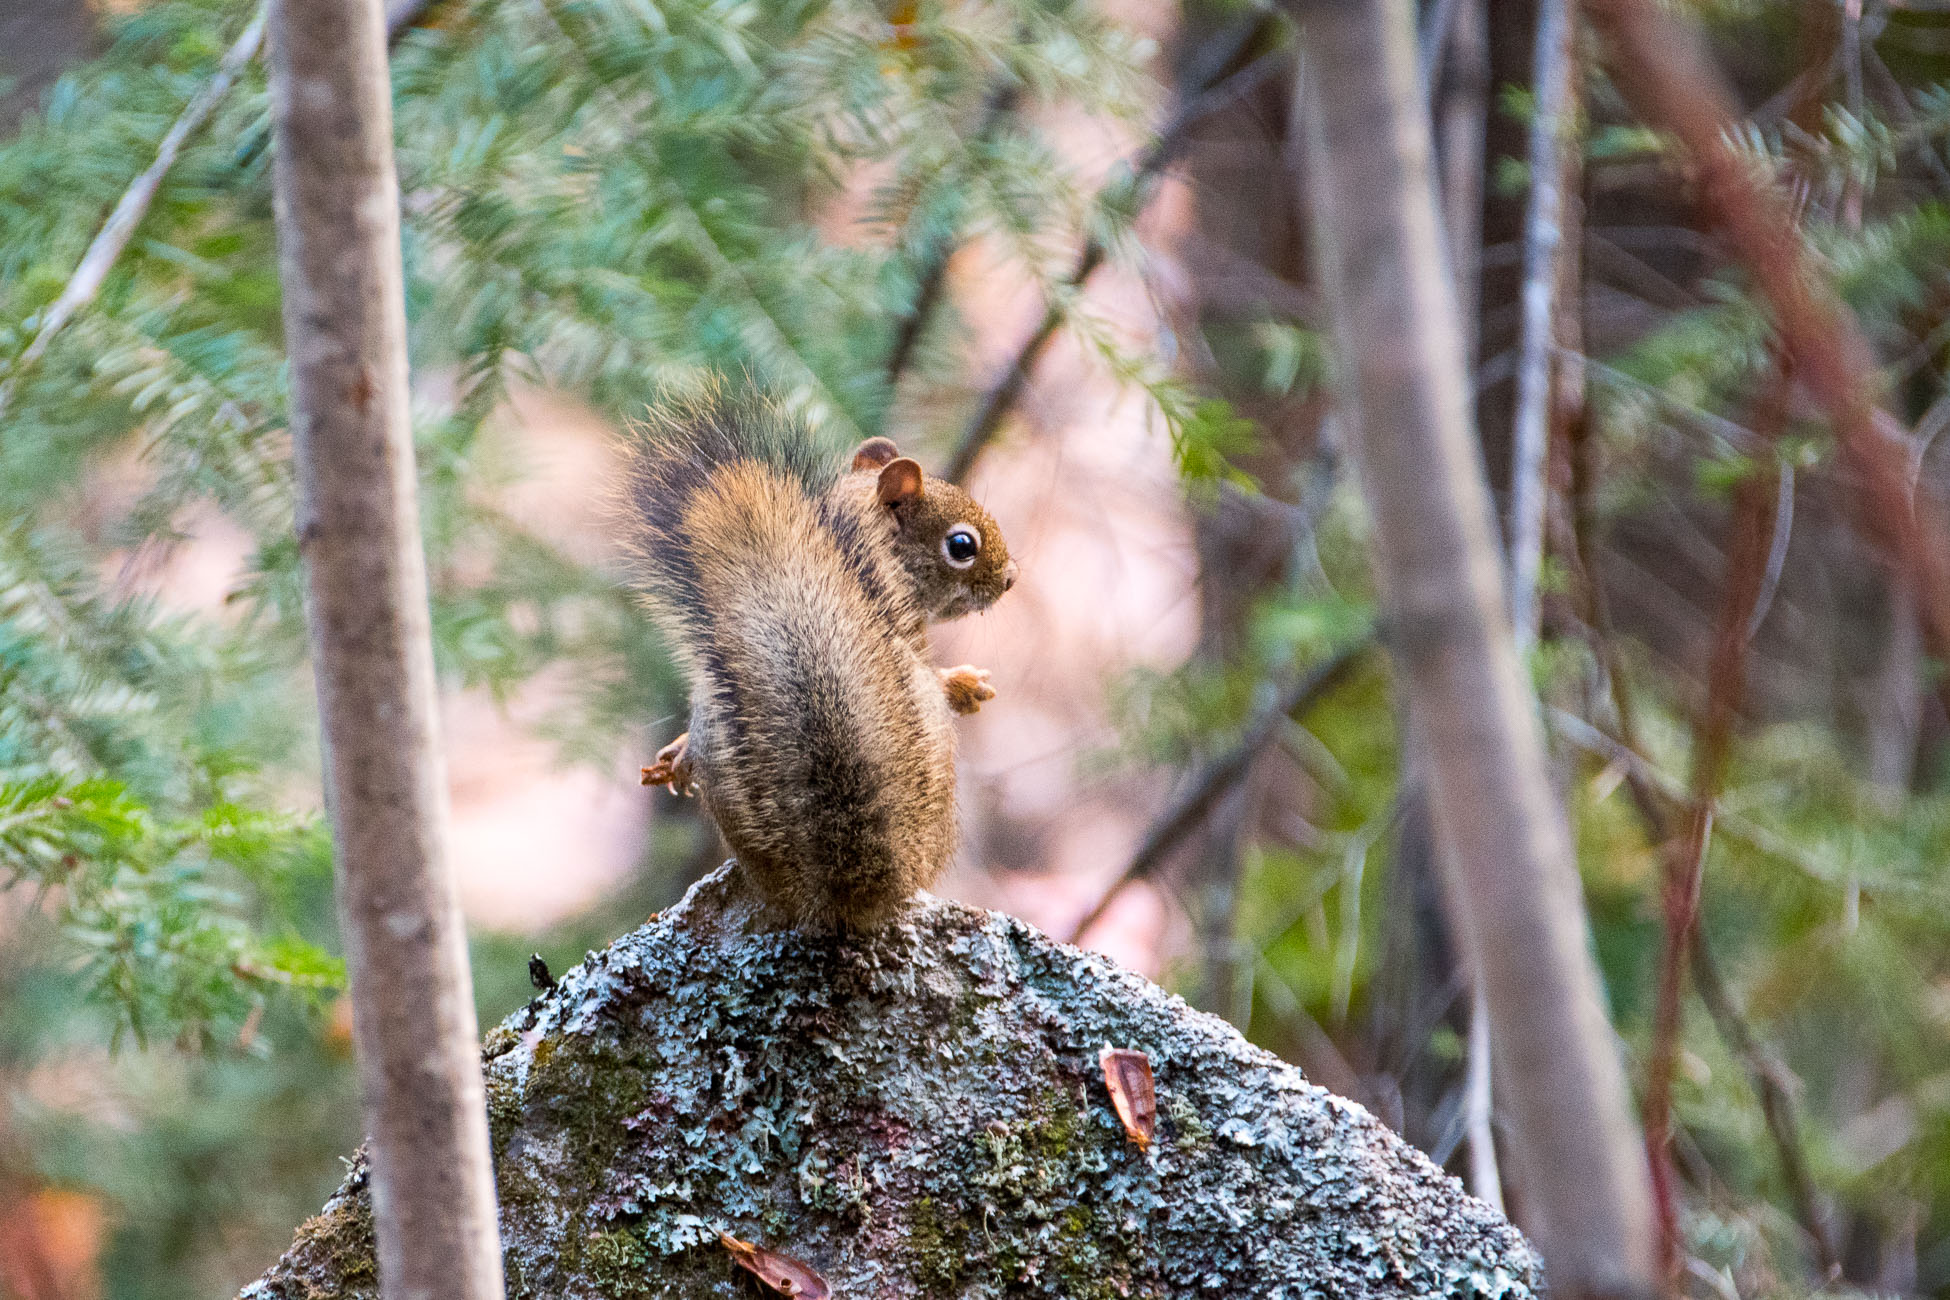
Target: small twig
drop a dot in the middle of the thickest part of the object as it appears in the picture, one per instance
(129, 210)
(1543, 240)
(1777, 549)
(1485, 1179)
(113, 238)
(932, 276)
(1663, 790)
(1002, 395)
(1459, 120)
(1852, 99)
(1776, 1103)
(1737, 436)
(1198, 799)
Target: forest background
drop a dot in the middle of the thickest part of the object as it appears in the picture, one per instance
(1062, 250)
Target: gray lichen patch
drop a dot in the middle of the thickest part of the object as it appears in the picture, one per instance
(920, 1112)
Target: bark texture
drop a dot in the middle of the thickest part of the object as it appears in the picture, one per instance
(337, 208)
(919, 1112)
(1513, 883)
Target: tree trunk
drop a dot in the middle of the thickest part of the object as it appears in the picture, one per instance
(1515, 887)
(337, 206)
(919, 1112)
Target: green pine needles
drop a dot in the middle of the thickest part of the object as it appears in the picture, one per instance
(600, 195)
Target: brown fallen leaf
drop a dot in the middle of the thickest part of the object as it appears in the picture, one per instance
(784, 1274)
(1127, 1074)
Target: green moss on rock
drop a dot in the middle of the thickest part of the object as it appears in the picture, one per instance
(920, 1112)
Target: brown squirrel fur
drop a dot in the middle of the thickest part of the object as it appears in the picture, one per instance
(796, 592)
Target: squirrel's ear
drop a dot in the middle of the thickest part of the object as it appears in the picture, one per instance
(874, 453)
(900, 482)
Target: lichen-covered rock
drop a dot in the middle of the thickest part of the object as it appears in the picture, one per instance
(919, 1112)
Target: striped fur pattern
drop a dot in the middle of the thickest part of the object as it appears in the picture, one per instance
(820, 736)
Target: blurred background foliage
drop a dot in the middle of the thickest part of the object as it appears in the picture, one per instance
(605, 195)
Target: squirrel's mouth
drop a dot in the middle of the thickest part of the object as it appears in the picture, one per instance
(968, 602)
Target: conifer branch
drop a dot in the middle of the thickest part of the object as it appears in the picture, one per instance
(1190, 809)
(113, 238)
(932, 276)
(129, 210)
(1001, 396)
(1660, 65)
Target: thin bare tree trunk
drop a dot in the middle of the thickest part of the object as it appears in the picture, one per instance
(1515, 887)
(1543, 278)
(1458, 124)
(337, 200)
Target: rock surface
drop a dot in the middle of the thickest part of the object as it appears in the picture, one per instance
(919, 1112)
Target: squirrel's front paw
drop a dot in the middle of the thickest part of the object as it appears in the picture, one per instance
(967, 687)
(673, 767)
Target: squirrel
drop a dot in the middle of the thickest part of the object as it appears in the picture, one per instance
(796, 589)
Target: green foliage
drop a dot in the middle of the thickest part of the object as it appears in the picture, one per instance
(599, 196)
(125, 805)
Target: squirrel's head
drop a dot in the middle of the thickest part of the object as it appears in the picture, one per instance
(951, 547)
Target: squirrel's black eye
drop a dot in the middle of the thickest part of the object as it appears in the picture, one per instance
(961, 546)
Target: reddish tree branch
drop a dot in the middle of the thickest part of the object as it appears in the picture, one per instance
(1750, 539)
(1652, 806)
(1659, 63)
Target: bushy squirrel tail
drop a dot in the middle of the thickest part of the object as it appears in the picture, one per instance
(818, 735)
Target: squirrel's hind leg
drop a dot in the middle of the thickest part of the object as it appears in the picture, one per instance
(673, 767)
(967, 687)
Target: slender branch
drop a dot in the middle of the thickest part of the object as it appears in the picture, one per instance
(932, 276)
(1002, 395)
(1550, 393)
(114, 236)
(1852, 99)
(129, 210)
(1455, 43)
(1551, 133)
(1777, 549)
(1485, 1178)
(1432, 41)
(1190, 809)
(1460, 121)
(1658, 62)
(1776, 1102)
(1777, 1105)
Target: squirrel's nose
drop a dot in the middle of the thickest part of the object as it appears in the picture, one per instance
(1009, 575)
